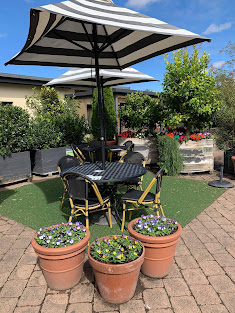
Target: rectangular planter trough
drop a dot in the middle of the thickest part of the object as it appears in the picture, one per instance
(15, 167)
(45, 161)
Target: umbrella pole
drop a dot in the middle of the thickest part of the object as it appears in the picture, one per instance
(98, 84)
(102, 88)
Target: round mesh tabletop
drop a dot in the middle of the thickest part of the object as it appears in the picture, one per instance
(114, 172)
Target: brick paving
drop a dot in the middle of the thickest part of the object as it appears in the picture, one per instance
(202, 277)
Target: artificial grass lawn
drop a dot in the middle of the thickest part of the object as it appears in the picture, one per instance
(38, 204)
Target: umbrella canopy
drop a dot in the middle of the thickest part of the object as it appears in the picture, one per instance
(99, 34)
(109, 77)
(62, 34)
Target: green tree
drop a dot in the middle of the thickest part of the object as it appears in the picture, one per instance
(189, 91)
(109, 114)
(140, 111)
(225, 117)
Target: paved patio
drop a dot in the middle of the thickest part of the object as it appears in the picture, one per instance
(201, 279)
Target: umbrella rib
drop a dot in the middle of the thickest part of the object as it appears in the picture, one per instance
(110, 43)
(88, 37)
(108, 40)
(71, 41)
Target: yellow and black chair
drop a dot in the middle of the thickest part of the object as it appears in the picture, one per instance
(129, 147)
(134, 158)
(84, 200)
(80, 152)
(65, 163)
(144, 198)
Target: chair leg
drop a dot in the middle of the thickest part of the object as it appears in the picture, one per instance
(123, 216)
(130, 213)
(86, 214)
(156, 208)
(62, 201)
(110, 219)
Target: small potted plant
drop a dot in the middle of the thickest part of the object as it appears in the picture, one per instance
(61, 252)
(116, 262)
(159, 235)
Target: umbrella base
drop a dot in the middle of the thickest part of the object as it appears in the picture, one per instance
(220, 184)
(102, 218)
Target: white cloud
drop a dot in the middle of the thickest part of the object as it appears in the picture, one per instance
(218, 64)
(140, 3)
(213, 28)
(3, 35)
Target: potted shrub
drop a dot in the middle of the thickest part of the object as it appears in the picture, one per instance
(56, 125)
(159, 235)
(61, 252)
(139, 115)
(15, 143)
(116, 262)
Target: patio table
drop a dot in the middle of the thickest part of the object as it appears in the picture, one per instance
(114, 172)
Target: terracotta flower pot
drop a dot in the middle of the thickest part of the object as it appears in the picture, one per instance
(159, 251)
(62, 267)
(116, 282)
(111, 142)
(233, 159)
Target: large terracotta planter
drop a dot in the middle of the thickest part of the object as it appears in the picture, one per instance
(116, 282)
(62, 267)
(159, 251)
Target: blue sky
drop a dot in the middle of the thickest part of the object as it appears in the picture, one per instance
(211, 18)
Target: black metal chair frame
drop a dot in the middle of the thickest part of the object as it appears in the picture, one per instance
(84, 207)
(140, 199)
(74, 161)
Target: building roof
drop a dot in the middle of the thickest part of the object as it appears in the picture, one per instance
(30, 80)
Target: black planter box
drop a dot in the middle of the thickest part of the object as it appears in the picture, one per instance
(228, 163)
(15, 167)
(45, 161)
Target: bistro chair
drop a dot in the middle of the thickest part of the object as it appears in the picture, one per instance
(97, 154)
(144, 198)
(134, 158)
(64, 163)
(82, 154)
(84, 200)
(129, 147)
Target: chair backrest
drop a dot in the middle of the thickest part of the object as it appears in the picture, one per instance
(67, 161)
(134, 158)
(129, 145)
(77, 186)
(77, 152)
(158, 180)
(98, 154)
(95, 143)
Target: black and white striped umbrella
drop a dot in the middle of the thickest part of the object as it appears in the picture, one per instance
(87, 77)
(99, 34)
(63, 34)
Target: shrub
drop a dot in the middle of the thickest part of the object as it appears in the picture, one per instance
(169, 153)
(140, 111)
(109, 114)
(58, 119)
(189, 92)
(15, 130)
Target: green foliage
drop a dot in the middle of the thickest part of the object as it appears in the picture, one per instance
(109, 114)
(225, 117)
(15, 130)
(57, 122)
(140, 111)
(117, 249)
(169, 153)
(45, 134)
(62, 235)
(189, 92)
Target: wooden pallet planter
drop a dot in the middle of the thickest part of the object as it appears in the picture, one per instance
(197, 156)
(146, 146)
